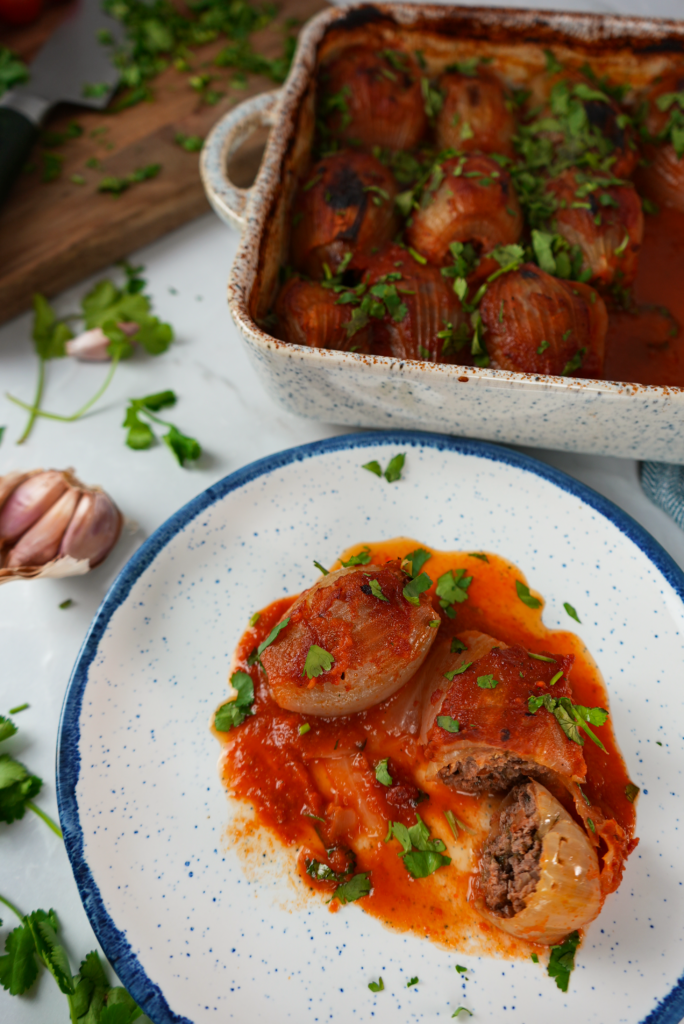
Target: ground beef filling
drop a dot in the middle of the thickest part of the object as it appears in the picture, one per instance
(510, 861)
(495, 774)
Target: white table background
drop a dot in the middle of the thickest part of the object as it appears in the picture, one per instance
(222, 403)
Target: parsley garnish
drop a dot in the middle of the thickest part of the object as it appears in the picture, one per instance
(376, 986)
(452, 588)
(254, 619)
(448, 723)
(460, 969)
(415, 587)
(523, 592)
(457, 645)
(271, 636)
(562, 961)
(461, 1009)
(354, 889)
(534, 958)
(235, 711)
(67, 603)
(321, 569)
(17, 785)
(414, 562)
(118, 185)
(487, 682)
(413, 981)
(376, 590)
(141, 436)
(457, 671)
(541, 657)
(373, 467)
(317, 661)
(478, 554)
(363, 558)
(554, 679)
(571, 717)
(394, 468)
(382, 773)
(304, 728)
(571, 612)
(631, 792)
(422, 856)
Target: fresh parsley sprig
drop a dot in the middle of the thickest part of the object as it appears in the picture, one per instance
(35, 942)
(18, 786)
(140, 435)
(562, 961)
(571, 717)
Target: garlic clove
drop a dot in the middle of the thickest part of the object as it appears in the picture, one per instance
(41, 543)
(10, 481)
(92, 346)
(28, 502)
(94, 528)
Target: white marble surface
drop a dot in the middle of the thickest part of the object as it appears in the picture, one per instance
(221, 402)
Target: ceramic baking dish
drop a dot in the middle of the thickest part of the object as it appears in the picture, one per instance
(631, 420)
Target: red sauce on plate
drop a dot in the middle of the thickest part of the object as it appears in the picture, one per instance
(291, 780)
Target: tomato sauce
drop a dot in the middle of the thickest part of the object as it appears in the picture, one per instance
(647, 347)
(317, 793)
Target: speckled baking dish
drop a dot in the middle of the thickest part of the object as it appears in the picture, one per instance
(598, 416)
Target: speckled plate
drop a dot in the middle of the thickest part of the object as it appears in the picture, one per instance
(200, 930)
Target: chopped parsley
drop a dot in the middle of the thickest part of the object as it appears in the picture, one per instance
(631, 792)
(554, 679)
(448, 723)
(376, 590)
(415, 587)
(67, 603)
(478, 554)
(487, 682)
(413, 981)
(363, 558)
(373, 467)
(396, 464)
(382, 773)
(452, 589)
(435, 623)
(461, 1009)
(235, 711)
(376, 986)
(320, 568)
(457, 645)
(460, 969)
(317, 661)
(357, 887)
(571, 612)
(457, 671)
(414, 562)
(304, 728)
(523, 592)
(422, 856)
(574, 363)
(571, 717)
(534, 958)
(562, 961)
(271, 636)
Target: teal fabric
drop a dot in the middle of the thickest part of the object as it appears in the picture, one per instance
(664, 485)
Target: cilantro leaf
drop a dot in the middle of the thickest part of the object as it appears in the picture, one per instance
(562, 961)
(487, 682)
(523, 592)
(186, 449)
(422, 856)
(235, 711)
(363, 558)
(414, 562)
(44, 930)
(376, 590)
(394, 468)
(317, 661)
(382, 773)
(415, 587)
(17, 787)
(571, 612)
(448, 723)
(18, 967)
(376, 986)
(357, 887)
(7, 728)
(373, 467)
(457, 671)
(271, 636)
(452, 588)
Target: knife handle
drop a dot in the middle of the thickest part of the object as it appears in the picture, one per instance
(17, 135)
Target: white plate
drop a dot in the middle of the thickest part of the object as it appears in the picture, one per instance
(200, 934)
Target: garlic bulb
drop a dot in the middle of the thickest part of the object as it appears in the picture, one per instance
(53, 525)
(539, 874)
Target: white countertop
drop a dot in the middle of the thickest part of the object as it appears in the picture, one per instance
(222, 403)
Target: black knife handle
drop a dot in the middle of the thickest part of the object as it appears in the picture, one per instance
(17, 135)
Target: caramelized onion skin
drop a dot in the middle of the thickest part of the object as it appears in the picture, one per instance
(377, 644)
(384, 105)
(497, 721)
(479, 102)
(662, 179)
(346, 205)
(431, 305)
(476, 204)
(309, 314)
(568, 891)
(576, 217)
(523, 309)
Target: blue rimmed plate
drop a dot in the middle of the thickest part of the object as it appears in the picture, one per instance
(201, 929)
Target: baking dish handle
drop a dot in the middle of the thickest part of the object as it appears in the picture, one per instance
(227, 199)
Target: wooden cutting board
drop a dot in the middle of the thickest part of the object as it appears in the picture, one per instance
(53, 234)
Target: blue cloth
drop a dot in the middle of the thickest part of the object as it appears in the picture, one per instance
(663, 483)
